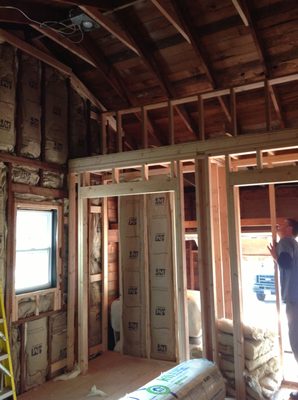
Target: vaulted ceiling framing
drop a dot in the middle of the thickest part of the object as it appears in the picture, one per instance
(147, 51)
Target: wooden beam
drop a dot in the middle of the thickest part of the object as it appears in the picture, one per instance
(38, 191)
(110, 26)
(31, 50)
(129, 188)
(245, 8)
(168, 13)
(143, 43)
(53, 62)
(183, 15)
(242, 144)
(241, 12)
(265, 175)
(67, 44)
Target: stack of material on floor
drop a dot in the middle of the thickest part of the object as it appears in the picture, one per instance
(261, 361)
(192, 379)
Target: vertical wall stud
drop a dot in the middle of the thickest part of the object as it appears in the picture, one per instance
(181, 278)
(72, 270)
(272, 205)
(235, 258)
(105, 272)
(82, 281)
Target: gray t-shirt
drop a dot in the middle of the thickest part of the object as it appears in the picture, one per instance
(289, 274)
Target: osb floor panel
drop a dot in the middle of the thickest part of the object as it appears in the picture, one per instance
(111, 372)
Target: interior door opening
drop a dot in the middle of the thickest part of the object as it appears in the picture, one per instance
(259, 292)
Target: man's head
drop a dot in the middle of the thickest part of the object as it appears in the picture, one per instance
(289, 228)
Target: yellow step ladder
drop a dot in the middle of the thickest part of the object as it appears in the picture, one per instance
(7, 385)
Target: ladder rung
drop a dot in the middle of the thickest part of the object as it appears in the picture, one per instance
(5, 370)
(3, 356)
(7, 392)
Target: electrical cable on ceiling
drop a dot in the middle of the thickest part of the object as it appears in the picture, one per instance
(65, 30)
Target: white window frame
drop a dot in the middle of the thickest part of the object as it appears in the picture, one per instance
(35, 295)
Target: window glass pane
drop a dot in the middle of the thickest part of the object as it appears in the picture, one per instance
(32, 269)
(34, 229)
(34, 250)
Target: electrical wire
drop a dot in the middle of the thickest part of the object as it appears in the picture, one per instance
(65, 30)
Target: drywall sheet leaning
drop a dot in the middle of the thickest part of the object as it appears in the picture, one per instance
(36, 350)
(7, 97)
(162, 321)
(133, 275)
(193, 379)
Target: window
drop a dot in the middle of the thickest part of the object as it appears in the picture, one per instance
(36, 249)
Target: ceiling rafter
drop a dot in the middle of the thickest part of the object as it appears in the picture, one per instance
(150, 61)
(243, 9)
(112, 76)
(109, 25)
(79, 51)
(162, 6)
(182, 13)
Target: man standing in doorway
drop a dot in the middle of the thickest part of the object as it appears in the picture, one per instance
(285, 253)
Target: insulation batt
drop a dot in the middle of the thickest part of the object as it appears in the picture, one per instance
(261, 362)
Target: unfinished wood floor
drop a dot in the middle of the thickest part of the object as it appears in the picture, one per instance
(111, 372)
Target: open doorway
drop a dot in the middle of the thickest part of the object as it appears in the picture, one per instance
(259, 289)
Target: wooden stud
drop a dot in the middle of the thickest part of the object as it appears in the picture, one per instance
(216, 221)
(259, 155)
(82, 282)
(201, 117)
(171, 123)
(272, 205)
(180, 268)
(235, 259)
(105, 273)
(11, 242)
(225, 242)
(207, 278)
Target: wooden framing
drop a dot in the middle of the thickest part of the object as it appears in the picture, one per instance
(257, 150)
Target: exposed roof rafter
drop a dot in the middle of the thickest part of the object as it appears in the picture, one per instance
(150, 61)
(171, 17)
(182, 14)
(110, 26)
(243, 8)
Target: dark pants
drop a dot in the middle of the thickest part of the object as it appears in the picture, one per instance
(292, 315)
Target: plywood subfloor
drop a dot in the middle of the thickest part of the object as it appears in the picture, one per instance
(111, 372)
